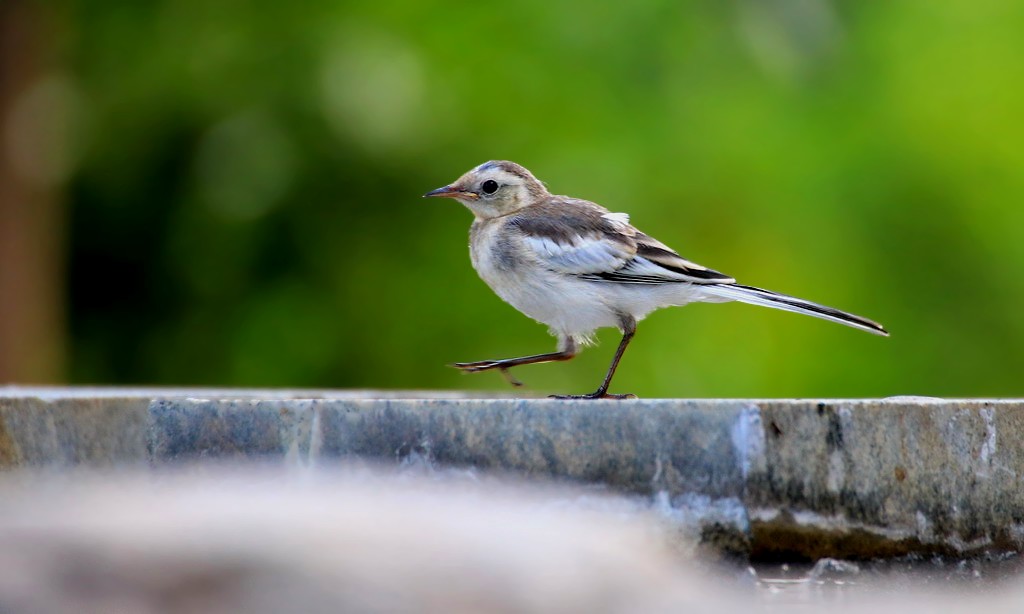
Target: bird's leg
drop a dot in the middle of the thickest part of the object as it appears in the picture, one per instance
(567, 351)
(628, 330)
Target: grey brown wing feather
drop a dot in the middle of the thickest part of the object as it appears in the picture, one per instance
(660, 254)
(581, 238)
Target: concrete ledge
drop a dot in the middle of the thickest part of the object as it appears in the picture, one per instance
(778, 479)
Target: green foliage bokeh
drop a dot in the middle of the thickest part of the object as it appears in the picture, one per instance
(246, 205)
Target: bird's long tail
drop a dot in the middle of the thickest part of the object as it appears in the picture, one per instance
(767, 298)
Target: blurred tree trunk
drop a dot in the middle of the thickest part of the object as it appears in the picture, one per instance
(31, 222)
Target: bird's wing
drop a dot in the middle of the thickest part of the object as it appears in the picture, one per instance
(577, 237)
(575, 240)
(657, 253)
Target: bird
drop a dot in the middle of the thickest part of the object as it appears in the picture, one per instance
(577, 267)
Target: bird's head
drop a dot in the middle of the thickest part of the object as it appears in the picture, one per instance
(494, 189)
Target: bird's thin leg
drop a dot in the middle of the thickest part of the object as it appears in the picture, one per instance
(628, 330)
(567, 351)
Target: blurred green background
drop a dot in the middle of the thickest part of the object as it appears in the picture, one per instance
(228, 193)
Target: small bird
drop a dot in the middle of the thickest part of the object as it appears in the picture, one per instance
(575, 266)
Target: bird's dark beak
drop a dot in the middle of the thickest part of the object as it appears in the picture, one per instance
(450, 191)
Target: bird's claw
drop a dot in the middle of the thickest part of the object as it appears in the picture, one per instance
(593, 395)
(511, 378)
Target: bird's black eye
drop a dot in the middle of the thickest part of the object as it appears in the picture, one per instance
(489, 187)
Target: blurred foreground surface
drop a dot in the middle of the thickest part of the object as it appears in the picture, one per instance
(216, 538)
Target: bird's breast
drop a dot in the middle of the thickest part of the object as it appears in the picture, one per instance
(492, 251)
(566, 304)
(500, 261)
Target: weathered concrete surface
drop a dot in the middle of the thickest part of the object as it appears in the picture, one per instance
(775, 479)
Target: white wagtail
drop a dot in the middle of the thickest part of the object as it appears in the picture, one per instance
(575, 266)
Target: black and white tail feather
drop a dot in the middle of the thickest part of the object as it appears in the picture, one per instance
(775, 300)
(604, 247)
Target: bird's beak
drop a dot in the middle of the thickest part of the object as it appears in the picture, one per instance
(450, 191)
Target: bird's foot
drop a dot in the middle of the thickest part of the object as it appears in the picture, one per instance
(485, 365)
(600, 394)
(480, 365)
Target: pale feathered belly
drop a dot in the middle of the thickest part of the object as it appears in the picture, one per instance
(569, 307)
(575, 307)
